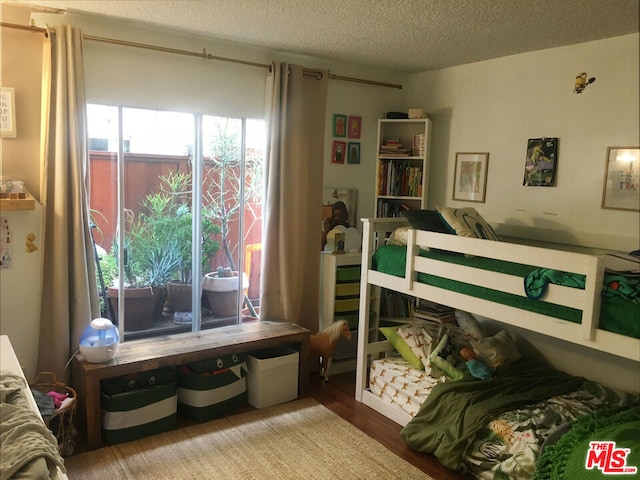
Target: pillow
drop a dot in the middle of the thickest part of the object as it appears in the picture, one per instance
(467, 222)
(497, 350)
(426, 220)
(398, 236)
(419, 341)
(438, 361)
(469, 324)
(391, 334)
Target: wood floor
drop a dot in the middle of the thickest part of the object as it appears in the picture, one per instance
(339, 396)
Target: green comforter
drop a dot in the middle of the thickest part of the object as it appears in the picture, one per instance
(454, 412)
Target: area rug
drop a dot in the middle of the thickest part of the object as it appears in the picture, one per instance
(296, 440)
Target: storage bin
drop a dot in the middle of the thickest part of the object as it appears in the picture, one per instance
(349, 273)
(138, 405)
(348, 305)
(212, 388)
(347, 289)
(272, 376)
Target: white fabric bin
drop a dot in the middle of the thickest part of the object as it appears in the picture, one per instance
(272, 376)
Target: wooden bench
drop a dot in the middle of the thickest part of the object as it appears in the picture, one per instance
(171, 350)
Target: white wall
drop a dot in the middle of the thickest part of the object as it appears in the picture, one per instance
(496, 106)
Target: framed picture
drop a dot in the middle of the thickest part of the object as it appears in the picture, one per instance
(7, 113)
(541, 162)
(353, 152)
(339, 125)
(354, 126)
(470, 180)
(338, 152)
(621, 189)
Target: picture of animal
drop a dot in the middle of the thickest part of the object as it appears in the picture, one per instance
(323, 344)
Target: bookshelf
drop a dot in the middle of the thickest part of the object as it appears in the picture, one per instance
(402, 166)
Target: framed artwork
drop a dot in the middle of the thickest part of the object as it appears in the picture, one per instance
(7, 113)
(338, 151)
(541, 162)
(621, 189)
(470, 179)
(354, 126)
(339, 125)
(353, 152)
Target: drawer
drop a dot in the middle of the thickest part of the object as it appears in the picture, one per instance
(349, 273)
(347, 289)
(348, 305)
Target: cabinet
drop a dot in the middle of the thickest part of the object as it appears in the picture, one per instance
(340, 300)
(402, 166)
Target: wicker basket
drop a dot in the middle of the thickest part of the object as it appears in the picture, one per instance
(61, 421)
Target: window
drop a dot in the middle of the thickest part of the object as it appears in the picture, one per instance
(156, 183)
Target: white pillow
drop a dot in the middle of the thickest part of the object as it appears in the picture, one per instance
(467, 222)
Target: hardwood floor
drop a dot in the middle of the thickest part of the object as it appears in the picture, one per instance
(339, 396)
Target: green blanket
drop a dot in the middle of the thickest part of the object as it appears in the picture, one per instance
(567, 459)
(454, 412)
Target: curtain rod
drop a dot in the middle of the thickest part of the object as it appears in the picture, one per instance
(203, 55)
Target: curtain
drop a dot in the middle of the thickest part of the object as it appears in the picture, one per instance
(69, 289)
(294, 169)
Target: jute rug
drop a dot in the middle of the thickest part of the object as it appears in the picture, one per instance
(296, 440)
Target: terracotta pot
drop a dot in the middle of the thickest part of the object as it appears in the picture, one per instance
(179, 295)
(138, 307)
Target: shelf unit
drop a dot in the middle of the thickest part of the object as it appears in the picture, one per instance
(339, 300)
(402, 179)
(28, 203)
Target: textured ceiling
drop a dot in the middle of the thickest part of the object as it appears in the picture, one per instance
(403, 35)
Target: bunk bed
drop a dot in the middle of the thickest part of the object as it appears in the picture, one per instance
(450, 270)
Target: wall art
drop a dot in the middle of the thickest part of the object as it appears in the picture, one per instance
(470, 178)
(621, 189)
(541, 162)
(353, 150)
(339, 125)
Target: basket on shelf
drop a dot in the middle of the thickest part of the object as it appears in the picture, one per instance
(61, 420)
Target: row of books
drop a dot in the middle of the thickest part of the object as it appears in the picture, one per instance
(399, 179)
(394, 147)
(426, 310)
(389, 209)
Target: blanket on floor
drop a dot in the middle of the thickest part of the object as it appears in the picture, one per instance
(454, 412)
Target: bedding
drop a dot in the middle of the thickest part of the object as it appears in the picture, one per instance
(29, 448)
(481, 426)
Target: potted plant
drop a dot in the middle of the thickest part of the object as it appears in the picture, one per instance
(223, 203)
(177, 210)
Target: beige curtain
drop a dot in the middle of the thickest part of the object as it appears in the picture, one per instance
(295, 158)
(69, 290)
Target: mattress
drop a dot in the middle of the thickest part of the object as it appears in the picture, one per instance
(617, 314)
(393, 380)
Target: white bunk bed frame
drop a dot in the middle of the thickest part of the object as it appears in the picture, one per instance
(585, 333)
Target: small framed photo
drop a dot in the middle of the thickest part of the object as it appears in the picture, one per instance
(354, 126)
(353, 152)
(339, 151)
(339, 125)
(470, 179)
(621, 189)
(7, 113)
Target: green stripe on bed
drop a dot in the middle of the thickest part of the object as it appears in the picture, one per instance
(617, 315)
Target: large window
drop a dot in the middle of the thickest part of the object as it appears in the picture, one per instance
(176, 202)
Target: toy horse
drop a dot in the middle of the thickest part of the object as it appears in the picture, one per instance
(323, 344)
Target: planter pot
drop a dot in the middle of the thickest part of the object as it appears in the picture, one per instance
(179, 295)
(138, 307)
(222, 293)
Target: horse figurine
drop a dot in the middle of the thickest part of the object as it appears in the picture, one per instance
(323, 344)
